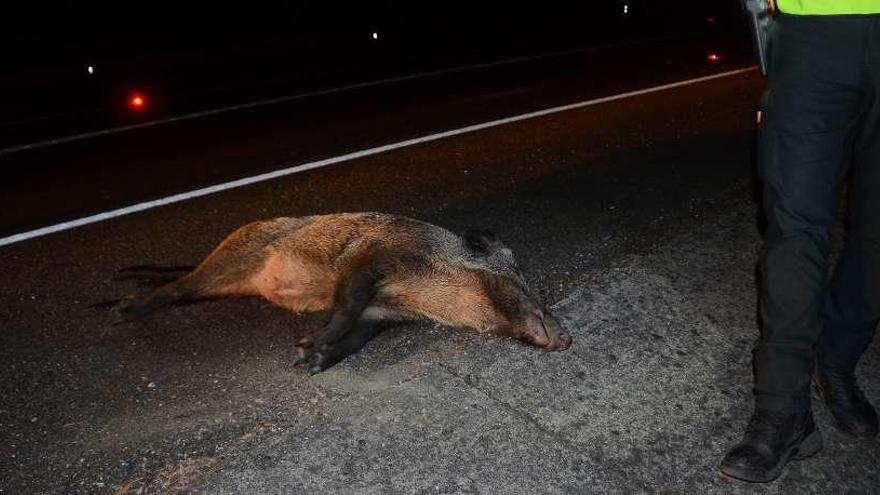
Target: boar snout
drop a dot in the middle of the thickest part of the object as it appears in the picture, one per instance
(544, 331)
(563, 342)
(558, 340)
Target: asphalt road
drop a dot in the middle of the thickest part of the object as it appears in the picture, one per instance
(636, 220)
(46, 185)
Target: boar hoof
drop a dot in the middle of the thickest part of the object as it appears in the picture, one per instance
(319, 363)
(304, 351)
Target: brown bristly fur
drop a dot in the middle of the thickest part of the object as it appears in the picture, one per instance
(364, 267)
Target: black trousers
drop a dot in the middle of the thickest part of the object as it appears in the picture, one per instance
(822, 119)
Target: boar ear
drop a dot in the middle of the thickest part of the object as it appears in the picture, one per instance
(480, 241)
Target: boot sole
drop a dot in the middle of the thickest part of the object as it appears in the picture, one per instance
(809, 447)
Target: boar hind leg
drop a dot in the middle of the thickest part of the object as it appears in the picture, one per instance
(174, 293)
(226, 272)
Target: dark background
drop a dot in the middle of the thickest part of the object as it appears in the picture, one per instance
(186, 56)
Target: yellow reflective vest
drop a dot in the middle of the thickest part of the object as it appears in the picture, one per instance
(829, 7)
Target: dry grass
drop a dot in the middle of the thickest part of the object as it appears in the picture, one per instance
(171, 479)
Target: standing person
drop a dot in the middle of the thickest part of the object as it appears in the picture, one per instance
(821, 120)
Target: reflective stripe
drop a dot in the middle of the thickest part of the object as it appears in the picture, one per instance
(829, 7)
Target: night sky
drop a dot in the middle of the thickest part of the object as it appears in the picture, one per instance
(180, 47)
(38, 32)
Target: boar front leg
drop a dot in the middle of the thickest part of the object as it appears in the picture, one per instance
(371, 322)
(353, 295)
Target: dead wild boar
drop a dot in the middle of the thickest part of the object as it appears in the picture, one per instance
(367, 270)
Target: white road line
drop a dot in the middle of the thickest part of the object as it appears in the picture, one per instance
(176, 198)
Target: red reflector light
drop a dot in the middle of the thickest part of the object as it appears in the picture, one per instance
(137, 101)
(713, 57)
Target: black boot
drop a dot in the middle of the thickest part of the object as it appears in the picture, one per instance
(852, 412)
(771, 440)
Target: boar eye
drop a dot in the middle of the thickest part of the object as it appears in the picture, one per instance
(507, 302)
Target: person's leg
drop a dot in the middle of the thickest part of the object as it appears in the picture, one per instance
(811, 117)
(852, 305)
